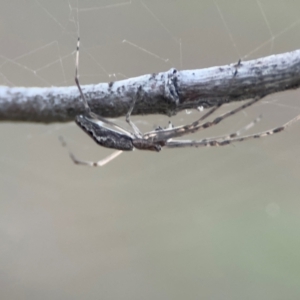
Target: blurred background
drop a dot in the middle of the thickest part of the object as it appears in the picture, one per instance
(211, 223)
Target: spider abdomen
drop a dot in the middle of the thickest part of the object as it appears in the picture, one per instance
(103, 136)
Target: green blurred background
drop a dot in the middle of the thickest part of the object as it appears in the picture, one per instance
(214, 223)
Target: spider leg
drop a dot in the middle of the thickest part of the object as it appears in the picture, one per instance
(237, 133)
(197, 125)
(86, 105)
(247, 127)
(136, 131)
(171, 128)
(99, 163)
(85, 102)
(262, 133)
(210, 112)
(223, 141)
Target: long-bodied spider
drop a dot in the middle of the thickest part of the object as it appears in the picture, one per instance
(123, 140)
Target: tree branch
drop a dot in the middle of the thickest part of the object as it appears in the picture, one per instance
(162, 93)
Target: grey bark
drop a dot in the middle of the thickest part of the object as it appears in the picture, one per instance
(162, 93)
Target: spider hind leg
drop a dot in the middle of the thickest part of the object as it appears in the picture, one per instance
(99, 163)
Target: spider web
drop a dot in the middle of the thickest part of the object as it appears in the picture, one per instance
(87, 231)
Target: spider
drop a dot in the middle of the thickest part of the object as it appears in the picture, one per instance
(124, 140)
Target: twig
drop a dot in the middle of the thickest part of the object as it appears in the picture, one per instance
(162, 93)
